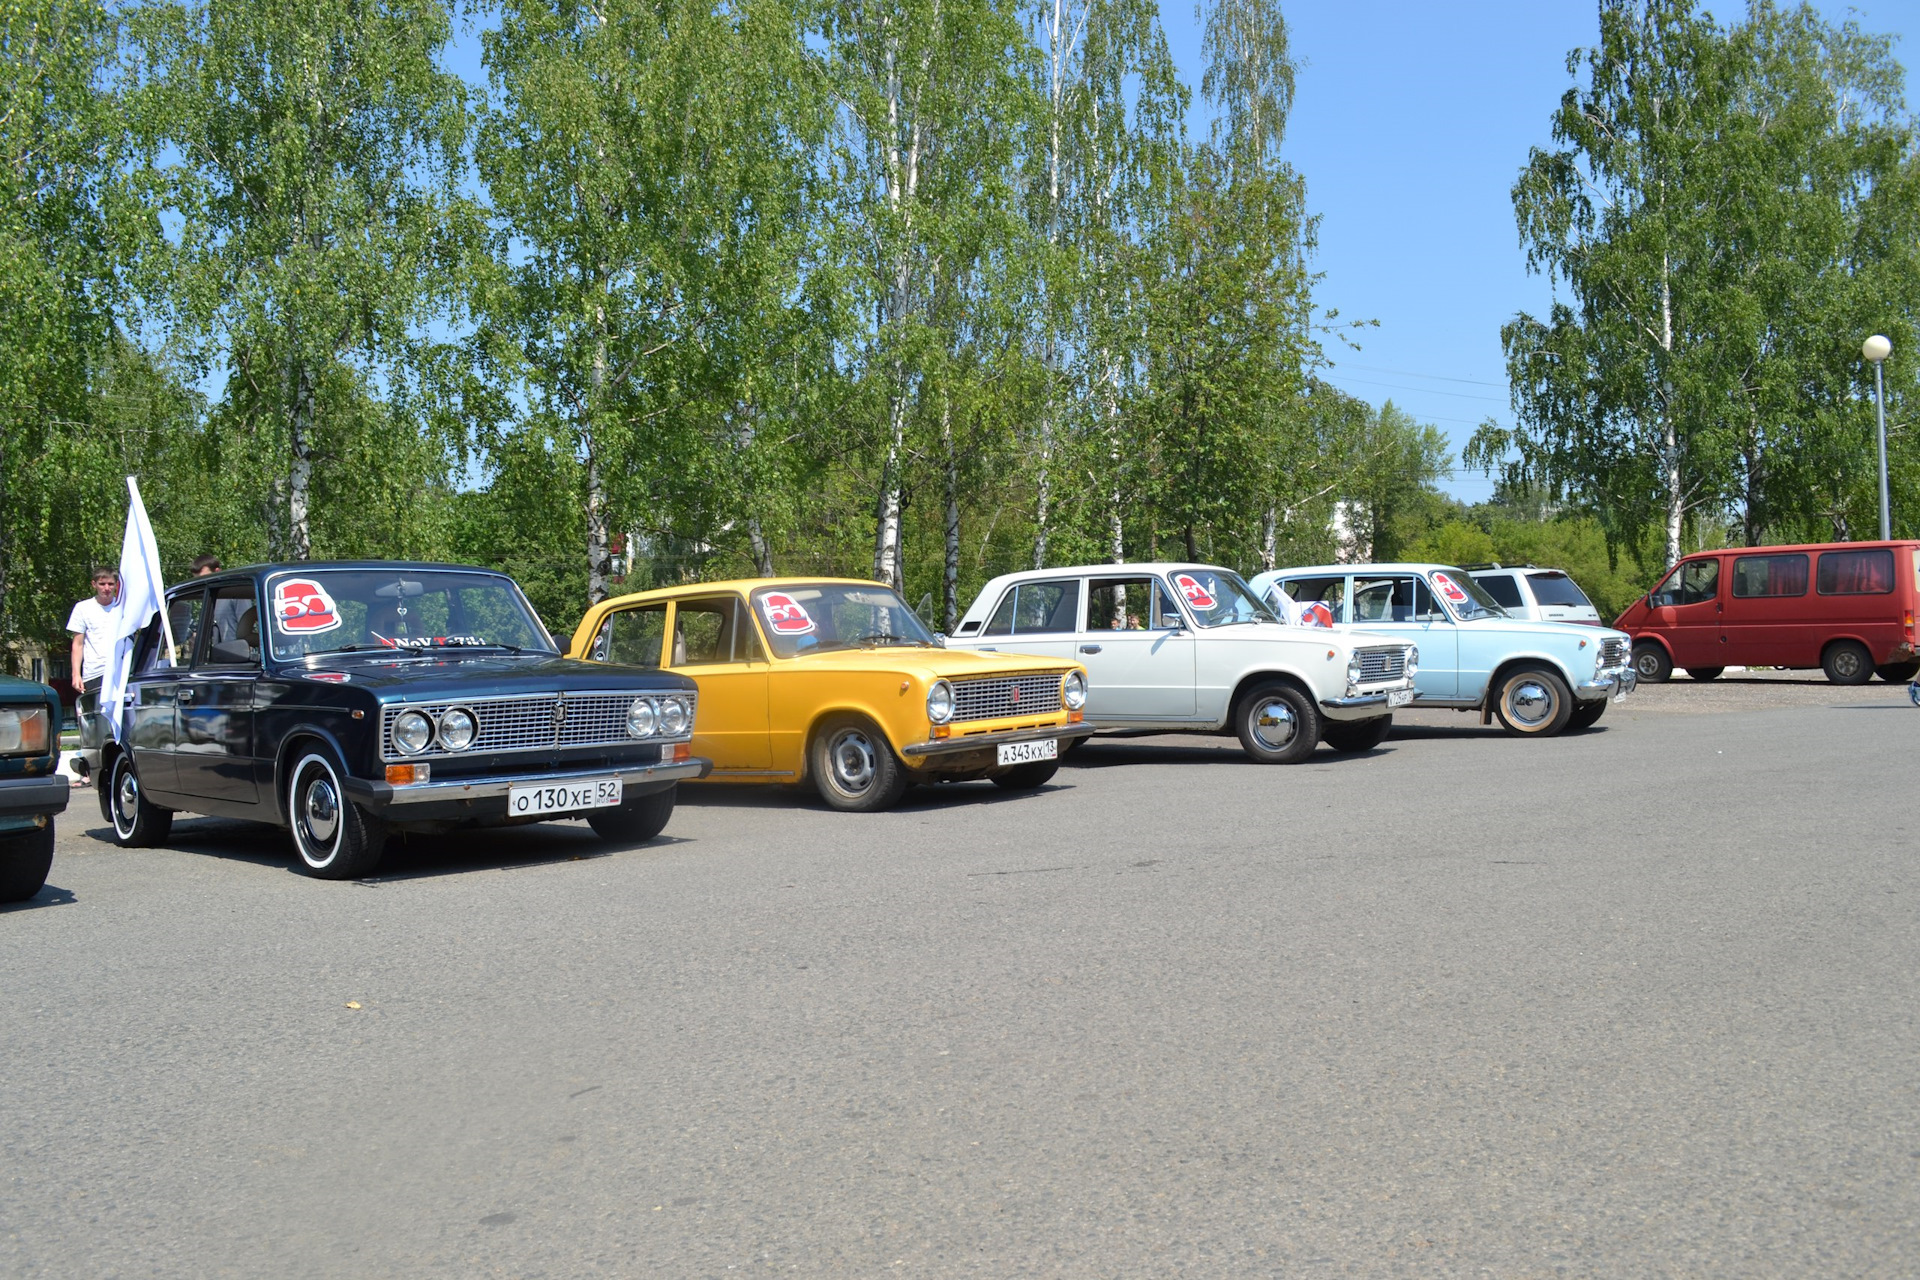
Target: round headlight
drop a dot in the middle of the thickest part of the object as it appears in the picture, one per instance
(1413, 659)
(673, 716)
(412, 732)
(641, 717)
(940, 702)
(457, 729)
(1353, 669)
(1073, 691)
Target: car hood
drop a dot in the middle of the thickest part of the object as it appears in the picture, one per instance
(927, 664)
(1545, 630)
(488, 675)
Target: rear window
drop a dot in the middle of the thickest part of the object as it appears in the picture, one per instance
(1856, 573)
(1769, 576)
(1502, 588)
(1556, 588)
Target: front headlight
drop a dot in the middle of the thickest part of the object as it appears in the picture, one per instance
(674, 716)
(1413, 659)
(1600, 660)
(457, 729)
(641, 717)
(23, 731)
(1353, 669)
(1073, 691)
(940, 702)
(412, 731)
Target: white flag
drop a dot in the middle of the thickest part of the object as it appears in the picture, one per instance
(143, 592)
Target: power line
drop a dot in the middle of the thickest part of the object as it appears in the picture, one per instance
(1428, 391)
(1409, 373)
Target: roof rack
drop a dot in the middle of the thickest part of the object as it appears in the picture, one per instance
(1495, 564)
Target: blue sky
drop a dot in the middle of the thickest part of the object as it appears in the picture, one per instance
(1410, 121)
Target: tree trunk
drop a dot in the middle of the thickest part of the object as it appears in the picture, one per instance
(762, 553)
(950, 580)
(1669, 433)
(599, 534)
(300, 472)
(886, 541)
(1269, 538)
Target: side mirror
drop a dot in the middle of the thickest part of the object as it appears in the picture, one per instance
(1173, 622)
(940, 638)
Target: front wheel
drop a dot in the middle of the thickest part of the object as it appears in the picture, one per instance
(634, 821)
(1897, 672)
(25, 860)
(1705, 673)
(138, 823)
(1651, 663)
(1533, 703)
(1356, 735)
(335, 838)
(1277, 724)
(1027, 777)
(1587, 714)
(854, 768)
(1847, 662)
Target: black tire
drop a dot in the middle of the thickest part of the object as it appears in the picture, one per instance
(854, 768)
(1897, 672)
(25, 860)
(634, 821)
(138, 823)
(1532, 702)
(1847, 662)
(1027, 777)
(1651, 663)
(1587, 714)
(1277, 724)
(333, 838)
(1356, 735)
(1705, 673)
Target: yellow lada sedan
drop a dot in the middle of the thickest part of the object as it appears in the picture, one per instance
(838, 682)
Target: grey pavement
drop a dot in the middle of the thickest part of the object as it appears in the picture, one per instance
(1635, 1002)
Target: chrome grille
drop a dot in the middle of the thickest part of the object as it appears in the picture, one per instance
(1382, 664)
(1613, 653)
(527, 723)
(995, 697)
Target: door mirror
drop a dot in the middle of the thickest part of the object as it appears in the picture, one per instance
(1173, 622)
(940, 638)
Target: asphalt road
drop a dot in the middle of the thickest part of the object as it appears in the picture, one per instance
(1635, 1002)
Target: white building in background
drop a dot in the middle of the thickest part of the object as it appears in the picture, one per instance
(1349, 546)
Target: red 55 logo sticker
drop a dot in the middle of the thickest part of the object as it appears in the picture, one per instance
(785, 614)
(1449, 588)
(1197, 596)
(302, 607)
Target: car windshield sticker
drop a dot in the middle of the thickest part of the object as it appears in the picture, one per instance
(1448, 589)
(1197, 596)
(302, 607)
(785, 615)
(1315, 614)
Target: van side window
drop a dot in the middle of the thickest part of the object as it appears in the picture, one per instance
(1501, 586)
(1769, 576)
(1856, 573)
(1693, 582)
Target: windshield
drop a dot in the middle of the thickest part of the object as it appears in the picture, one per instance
(814, 617)
(405, 608)
(1218, 597)
(1468, 599)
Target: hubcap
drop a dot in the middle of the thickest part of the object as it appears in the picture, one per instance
(1530, 703)
(1847, 662)
(320, 811)
(1649, 665)
(1273, 724)
(853, 761)
(126, 798)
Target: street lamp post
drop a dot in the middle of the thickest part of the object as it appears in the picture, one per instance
(1876, 349)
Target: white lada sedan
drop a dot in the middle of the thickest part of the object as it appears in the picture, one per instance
(1189, 647)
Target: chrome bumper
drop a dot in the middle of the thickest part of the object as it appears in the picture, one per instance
(955, 746)
(1614, 682)
(1361, 701)
(383, 795)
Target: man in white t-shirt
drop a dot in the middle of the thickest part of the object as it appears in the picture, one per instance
(92, 625)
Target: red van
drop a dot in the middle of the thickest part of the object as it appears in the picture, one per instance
(1846, 607)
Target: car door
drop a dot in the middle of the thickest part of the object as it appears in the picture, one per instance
(1403, 606)
(214, 753)
(1686, 611)
(1764, 611)
(714, 641)
(1138, 650)
(153, 689)
(1040, 617)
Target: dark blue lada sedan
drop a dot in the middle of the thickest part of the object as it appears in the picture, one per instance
(346, 700)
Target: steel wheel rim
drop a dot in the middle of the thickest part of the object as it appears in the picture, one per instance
(316, 815)
(126, 799)
(1274, 724)
(851, 761)
(1530, 702)
(1847, 663)
(1648, 665)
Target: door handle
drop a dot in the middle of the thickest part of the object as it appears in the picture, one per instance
(1089, 648)
(184, 695)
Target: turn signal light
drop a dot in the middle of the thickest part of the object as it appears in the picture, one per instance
(681, 751)
(943, 731)
(1075, 717)
(405, 775)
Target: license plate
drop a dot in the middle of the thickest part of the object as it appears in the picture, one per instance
(567, 797)
(1028, 752)
(1399, 697)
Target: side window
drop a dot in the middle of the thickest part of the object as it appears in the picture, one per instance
(632, 637)
(1856, 573)
(703, 632)
(1001, 623)
(233, 635)
(1426, 608)
(1332, 592)
(1694, 582)
(1769, 576)
(1382, 600)
(1501, 586)
(183, 614)
(1033, 607)
(1119, 604)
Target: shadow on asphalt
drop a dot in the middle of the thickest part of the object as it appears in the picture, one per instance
(777, 795)
(50, 895)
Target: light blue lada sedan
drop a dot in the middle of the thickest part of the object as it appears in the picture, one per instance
(1538, 677)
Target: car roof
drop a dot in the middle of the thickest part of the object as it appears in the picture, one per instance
(255, 572)
(741, 585)
(1384, 566)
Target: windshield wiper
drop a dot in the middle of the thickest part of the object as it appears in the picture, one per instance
(881, 637)
(390, 647)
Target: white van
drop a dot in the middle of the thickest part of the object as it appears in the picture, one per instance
(1528, 591)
